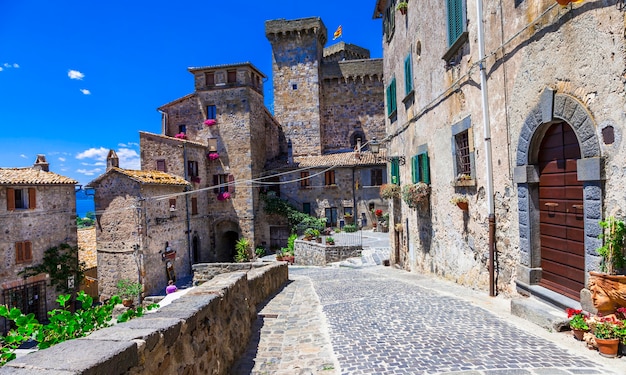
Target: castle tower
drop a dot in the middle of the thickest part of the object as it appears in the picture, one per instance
(297, 52)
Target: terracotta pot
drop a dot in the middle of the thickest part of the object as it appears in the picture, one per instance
(463, 205)
(579, 333)
(607, 347)
(127, 302)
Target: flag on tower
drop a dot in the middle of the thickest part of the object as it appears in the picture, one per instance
(337, 33)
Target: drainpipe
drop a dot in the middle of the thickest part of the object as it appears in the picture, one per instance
(163, 121)
(187, 217)
(487, 132)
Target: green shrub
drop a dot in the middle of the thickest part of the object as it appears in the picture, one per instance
(242, 247)
(259, 251)
(350, 228)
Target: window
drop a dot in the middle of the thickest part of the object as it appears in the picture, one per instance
(408, 75)
(376, 175)
(232, 76)
(223, 183)
(192, 168)
(395, 171)
(172, 204)
(182, 129)
(305, 181)
(23, 252)
(331, 217)
(194, 205)
(463, 149)
(456, 20)
(389, 21)
(391, 97)
(420, 171)
(160, 166)
(329, 178)
(210, 78)
(294, 86)
(347, 211)
(306, 208)
(21, 199)
(463, 161)
(211, 112)
(212, 144)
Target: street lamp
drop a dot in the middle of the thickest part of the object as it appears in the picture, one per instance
(375, 148)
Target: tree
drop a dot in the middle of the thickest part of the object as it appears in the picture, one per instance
(62, 264)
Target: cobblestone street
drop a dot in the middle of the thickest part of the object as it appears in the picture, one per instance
(379, 320)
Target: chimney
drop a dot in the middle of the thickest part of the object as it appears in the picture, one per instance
(41, 164)
(112, 160)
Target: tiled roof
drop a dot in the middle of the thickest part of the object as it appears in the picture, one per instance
(32, 176)
(145, 177)
(165, 137)
(343, 159)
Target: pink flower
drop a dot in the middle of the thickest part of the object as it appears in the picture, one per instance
(181, 136)
(223, 196)
(210, 122)
(213, 155)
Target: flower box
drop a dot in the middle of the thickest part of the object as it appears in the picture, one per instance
(181, 136)
(213, 156)
(210, 122)
(223, 196)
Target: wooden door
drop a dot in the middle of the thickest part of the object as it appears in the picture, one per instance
(561, 213)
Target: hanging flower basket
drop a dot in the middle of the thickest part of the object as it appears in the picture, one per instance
(223, 196)
(210, 122)
(389, 191)
(213, 156)
(415, 195)
(181, 136)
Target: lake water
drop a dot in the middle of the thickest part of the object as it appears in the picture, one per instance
(83, 206)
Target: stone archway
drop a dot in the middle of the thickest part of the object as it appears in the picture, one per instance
(226, 235)
(553, 108)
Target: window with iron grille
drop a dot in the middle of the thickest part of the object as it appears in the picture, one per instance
(305, 181)
(463, 159)
(329, 178)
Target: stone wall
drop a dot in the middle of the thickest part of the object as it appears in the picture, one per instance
(309, 253)
(202, 332)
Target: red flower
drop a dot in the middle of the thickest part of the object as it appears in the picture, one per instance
(378, 212)
(571, 312)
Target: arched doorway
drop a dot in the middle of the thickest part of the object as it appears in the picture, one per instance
(226, 251)
(561, 214)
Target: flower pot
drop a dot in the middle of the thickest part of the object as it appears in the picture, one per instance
(463, 205)
(127, 302)
(607, 347)
(318, 239)
(579, 333)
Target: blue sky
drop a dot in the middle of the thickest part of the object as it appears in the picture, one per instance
(79, 78)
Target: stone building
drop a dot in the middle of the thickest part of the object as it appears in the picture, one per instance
(545, 162)
(137, 221)
(329, 102)
(37, 212)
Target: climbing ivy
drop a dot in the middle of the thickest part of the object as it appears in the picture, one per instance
(61, 263)
(295, 218)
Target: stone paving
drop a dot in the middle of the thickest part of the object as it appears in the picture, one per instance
(379, 320)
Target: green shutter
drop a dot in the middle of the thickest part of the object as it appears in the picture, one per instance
(455, 20)
(389, 110)
(408, 75)
(395, 172)
(425, 168)
(393, 95)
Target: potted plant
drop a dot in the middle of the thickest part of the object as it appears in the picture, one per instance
(181, 135)
(402, 7)
(316, 235)
(210, 122)
(461, 201)
(309, 234)
(605, 286)
(213, 156)
(415, 195)
(128, 290)
(389, 191)
(578, 322)
(330, 241)
(242, 248)
(607, 334)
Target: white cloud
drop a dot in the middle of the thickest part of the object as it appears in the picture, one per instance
(85, 91)
(23, 156)
(75, 74)
(89, 172)
(16, 66)
(94, 153)
(62, 159)
(129, 159)
(1, 69)
(129, 144)
(7, 65)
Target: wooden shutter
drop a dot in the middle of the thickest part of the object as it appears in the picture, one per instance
(10, 199)
(194, 205)
(408, 75)
(425, 168)
(19, 252)
(216, 181)
(231, 184)
(28, 251)
(455, 20)
(32, 198)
